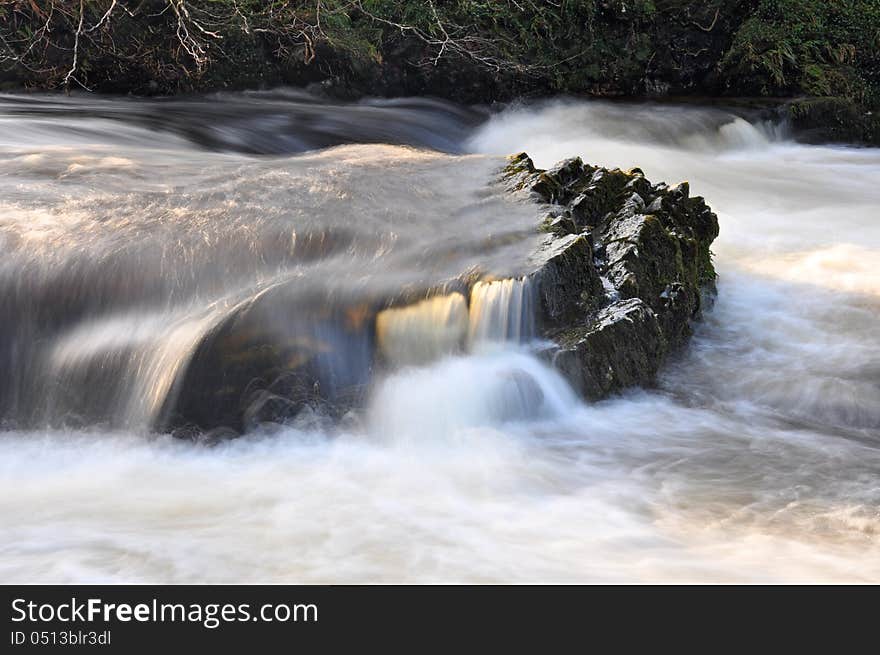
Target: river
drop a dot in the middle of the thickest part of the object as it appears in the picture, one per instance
(128, 227)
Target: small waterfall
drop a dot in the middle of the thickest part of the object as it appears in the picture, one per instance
(443, 402)
(126, 368)
(122, 368)
(501, 310)
(422, 332)
(160, 368)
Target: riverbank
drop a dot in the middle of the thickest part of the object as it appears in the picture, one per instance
(822, 58)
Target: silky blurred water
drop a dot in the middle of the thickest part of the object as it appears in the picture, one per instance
(756, 460)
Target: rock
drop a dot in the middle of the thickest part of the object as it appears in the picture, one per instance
(282, 358)
(566, 277)
(560, 224)
(621, 346)
(835, 120)
(270, 358)
(623, 273)
(267, 407)
(600, 195)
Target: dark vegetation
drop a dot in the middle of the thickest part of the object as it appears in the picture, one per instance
(822, 54)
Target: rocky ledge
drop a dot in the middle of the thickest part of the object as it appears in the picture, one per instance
(624, 271)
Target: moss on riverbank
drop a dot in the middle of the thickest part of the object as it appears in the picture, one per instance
(467, 50)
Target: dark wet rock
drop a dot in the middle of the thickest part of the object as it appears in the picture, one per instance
(623, 273)
(267, 407)
(216, 436)
(599, 195)
(559, 222)
(622, 346)
(282, 358)
(186, 432)
(566, 277)
(835, 120)
(270, 358)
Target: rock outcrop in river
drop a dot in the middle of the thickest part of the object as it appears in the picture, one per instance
(623, 270)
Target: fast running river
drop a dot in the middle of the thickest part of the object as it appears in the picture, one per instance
(128, 228)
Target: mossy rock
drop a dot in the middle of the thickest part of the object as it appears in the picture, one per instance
(622, 346)
(624, 271)
(835, 120)
(566, 278)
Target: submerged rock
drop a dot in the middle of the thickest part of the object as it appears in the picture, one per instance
(613, 287)
(272, 358)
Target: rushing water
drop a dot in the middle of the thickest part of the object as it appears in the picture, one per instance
(129, 228)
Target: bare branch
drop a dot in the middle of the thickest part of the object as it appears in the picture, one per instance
(103, 18)
(79, 29)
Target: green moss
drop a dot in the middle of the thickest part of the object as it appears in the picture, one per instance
(809, 47)
(835, 119)
(519, 163)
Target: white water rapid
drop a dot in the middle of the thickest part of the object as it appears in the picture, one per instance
(756, 460)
